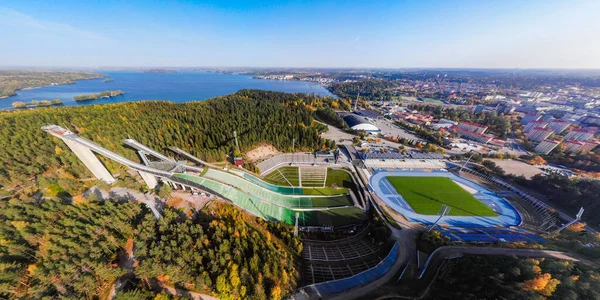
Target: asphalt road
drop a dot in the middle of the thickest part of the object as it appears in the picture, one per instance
(450, 252)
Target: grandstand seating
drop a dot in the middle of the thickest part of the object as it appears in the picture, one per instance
(416, 164)
(540, 207)
(490, 235)
(338, 252)
(316, 273)
(397, 155)
(333, 260)
(285, 159)
(330, 279)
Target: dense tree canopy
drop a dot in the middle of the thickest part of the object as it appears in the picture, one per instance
(220, 250)
(55, 249)
(330, 117)
(490, 277)
(49, 248)
(204, 129)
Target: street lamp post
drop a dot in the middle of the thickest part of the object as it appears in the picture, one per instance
(461, 168)
(293, 151)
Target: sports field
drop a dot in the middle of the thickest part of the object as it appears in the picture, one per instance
(427, 194)
(332, 182)
(284, 176)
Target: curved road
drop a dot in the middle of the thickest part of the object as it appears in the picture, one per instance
(450, 252)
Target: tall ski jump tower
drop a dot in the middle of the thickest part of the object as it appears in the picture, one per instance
(86, 155)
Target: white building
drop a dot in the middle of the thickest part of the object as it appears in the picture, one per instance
(358, 123)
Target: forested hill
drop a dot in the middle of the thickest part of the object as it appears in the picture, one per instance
(50, 249)
(12, 80)
(202, 128)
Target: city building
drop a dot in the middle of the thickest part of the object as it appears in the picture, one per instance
(468, 126)
(416, 118)
(579, 135)
(589, 146)
(358, 123)
(539, 134)
(530, 117)
(505, 109)
(238, 161)
(590, 120)
(368, 113)
(474, 136)
(558, 126)
(573, 146)
(546, 146)
(535, 124)
(479, 108)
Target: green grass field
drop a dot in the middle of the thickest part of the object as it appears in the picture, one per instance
(338, 178)
(427, 194)
(325, 191)
(280, 175)
(431, 100)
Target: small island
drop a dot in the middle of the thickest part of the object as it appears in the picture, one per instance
(108, 79)
(35, 103)
(107, 94)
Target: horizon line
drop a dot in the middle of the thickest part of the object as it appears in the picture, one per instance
(7, 67)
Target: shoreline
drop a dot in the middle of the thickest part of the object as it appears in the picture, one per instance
(244, 81)
(41, 86)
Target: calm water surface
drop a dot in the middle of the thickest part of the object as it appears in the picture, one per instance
(175, 87)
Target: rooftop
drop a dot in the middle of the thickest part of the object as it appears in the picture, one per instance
(551, 141)
(559, 121)
(583, 130)
(472, 124)
(470, 132)
(542, 129)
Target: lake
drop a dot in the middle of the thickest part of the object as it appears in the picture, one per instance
(175, 87)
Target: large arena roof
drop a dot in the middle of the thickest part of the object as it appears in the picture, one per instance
(356, 122)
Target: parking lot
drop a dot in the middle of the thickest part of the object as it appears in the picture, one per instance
(389, 129)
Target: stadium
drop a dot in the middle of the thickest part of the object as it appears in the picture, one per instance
(419, 195)
(483, 208)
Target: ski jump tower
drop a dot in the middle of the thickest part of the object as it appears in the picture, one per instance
(86, 149)
(84, 153)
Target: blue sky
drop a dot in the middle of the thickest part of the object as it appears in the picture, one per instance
(351, 34)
